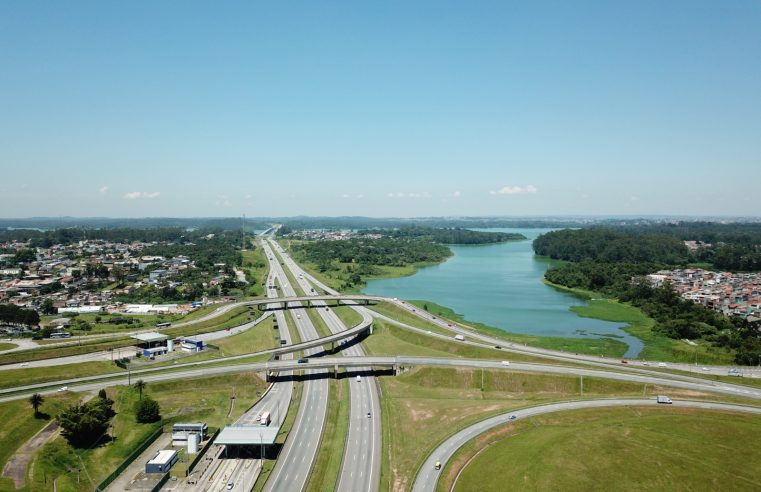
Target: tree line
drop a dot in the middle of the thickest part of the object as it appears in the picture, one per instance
(450, 235)
(610, 245)
(384, 251)
(14, 315)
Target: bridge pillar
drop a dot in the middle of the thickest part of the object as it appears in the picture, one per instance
(371, 328)
(335, 371)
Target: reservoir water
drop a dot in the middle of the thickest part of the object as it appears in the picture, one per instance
(501, 285)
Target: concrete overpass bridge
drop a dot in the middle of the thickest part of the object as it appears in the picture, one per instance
(277, 303)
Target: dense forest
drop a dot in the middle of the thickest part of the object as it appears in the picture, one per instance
(454, 235)
(387, 252)
(609, 245)
(733, 247)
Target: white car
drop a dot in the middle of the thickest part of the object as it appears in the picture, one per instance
(298, 316)
(706, 369)
(505, 362)
(63, 388)
(661, 364)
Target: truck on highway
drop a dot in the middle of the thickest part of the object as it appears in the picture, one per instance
(459, 337)
(664, 399)
(265, 418)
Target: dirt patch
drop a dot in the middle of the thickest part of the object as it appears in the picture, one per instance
(17, 465)
(418, 415)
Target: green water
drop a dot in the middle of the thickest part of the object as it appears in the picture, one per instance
(501, 285)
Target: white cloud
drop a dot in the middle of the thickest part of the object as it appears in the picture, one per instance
(456, 194)
(515, 190)
(133, 195)
(346, 195)
(360, 196)
(223, 201)
(103, 190)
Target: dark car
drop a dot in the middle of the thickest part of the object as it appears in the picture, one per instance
(303, 360)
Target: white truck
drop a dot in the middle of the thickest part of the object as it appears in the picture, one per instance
(664, 399)
(459, 337)
(265, 419)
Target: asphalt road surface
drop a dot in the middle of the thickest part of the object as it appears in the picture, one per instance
(360, 468)
(297, 456)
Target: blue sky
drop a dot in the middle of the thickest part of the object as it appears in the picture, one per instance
(380, 108)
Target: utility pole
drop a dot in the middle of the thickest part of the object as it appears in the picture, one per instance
(582, 384)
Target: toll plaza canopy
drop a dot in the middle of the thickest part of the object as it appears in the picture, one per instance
(150, 337)
(243, 435)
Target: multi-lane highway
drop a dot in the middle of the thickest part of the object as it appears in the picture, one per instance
(428, 475)
(297, 456)
(360, 469)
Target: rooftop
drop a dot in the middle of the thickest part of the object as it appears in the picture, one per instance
(150, 337)
(247, 434)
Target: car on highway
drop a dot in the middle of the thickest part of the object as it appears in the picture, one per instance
(359, 378)
(498, 347)
(505, 362)
(63, 388)
(624, 361)
(303, 360)
(664, 399)
(512, 417)
(437, 466)
(259, 418)
(230, 485)
(368, 415)
(298, 316)
(662, 364)
(706, 369)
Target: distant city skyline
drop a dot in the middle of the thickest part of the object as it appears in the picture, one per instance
(397, 109)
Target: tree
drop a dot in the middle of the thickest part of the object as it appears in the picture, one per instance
(147, 410)
(47, 307)
(36, 400)
(84, 424)
(140, 386)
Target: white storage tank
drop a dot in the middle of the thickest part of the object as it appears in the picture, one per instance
(170, 345)
(193, 441)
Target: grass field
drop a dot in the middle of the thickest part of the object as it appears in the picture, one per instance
(423, 407)
(327, 466)
(7, 346)
(256, 267)
(33, 375)
(19, 425)
(349, 316)
(255, 339)
(199, 399)
(388, 339)
(617, 449)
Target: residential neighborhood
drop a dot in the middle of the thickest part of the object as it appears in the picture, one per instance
(732, 294)
(102, 276)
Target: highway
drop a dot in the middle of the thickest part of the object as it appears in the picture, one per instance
(428, 475)
(243, 471)
(360, 468)
(295, 462)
